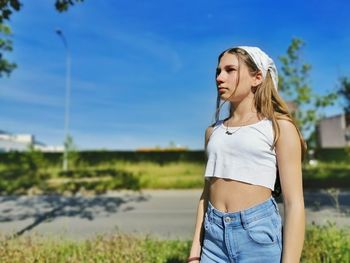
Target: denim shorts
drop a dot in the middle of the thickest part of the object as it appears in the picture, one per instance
(248, 236)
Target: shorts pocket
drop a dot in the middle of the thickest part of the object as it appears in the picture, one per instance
(206, 228)
(262, 231)
(213, 232)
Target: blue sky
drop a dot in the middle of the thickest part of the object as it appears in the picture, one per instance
(143, 71)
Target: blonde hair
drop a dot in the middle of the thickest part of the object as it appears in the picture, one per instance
(267, 101)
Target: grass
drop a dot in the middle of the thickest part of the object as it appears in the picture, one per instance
(185, 175)
(149, 175)
(116, 175)
(323, 244)
(172, 175)
(112, 248)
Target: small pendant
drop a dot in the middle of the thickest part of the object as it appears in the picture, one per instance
(230, 133)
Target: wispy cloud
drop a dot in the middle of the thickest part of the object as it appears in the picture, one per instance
(17, 94)
(139, 43)
(42, 131)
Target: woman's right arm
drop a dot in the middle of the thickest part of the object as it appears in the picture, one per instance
(201, 209)
(197, 241)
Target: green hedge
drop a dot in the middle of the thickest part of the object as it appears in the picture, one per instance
(98, 157)
(161, 157)
(332, 155)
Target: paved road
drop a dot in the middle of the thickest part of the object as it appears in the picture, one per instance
(161, 213)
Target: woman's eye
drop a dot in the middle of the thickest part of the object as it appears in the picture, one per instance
(230, 69)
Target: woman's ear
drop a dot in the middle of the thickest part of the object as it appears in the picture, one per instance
(257, 79)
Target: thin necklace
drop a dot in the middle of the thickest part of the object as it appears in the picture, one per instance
(230, 133)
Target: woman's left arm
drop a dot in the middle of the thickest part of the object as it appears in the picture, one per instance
(288, 151)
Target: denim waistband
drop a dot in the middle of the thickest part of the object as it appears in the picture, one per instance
(244, 217)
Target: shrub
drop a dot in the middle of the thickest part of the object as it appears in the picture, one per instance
(326, 243)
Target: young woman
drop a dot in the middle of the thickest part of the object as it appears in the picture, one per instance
(252, 154)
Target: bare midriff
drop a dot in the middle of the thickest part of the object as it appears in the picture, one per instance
(231, 196)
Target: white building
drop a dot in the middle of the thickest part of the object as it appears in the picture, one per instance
(334, 132)
(21, 142)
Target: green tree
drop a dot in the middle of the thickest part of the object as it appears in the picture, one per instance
(294, 86)
(7, 8)
(72, 152)
(344, 93)
(5, 46)
(33, 159)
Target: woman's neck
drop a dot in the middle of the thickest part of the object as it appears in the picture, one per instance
(242, 109)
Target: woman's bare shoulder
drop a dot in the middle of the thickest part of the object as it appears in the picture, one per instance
(288, 134)
(286, 126)
(208, 132)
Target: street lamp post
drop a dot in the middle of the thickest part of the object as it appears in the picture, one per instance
(67, 99)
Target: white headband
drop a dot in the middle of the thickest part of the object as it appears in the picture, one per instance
(263, 62)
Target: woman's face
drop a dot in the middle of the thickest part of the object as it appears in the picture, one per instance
(227, 76)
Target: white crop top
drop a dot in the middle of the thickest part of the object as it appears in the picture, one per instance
(245, 155)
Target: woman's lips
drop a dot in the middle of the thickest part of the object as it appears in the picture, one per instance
(222, 89)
